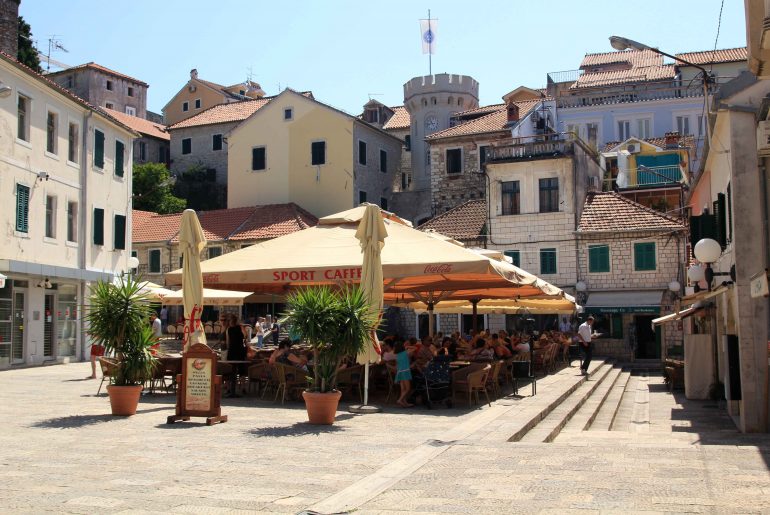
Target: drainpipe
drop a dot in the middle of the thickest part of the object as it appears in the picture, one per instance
(82, 239)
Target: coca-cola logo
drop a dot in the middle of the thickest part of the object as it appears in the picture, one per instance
(438, 269)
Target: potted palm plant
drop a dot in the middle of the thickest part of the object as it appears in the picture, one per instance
(118, 316)
(335, 323)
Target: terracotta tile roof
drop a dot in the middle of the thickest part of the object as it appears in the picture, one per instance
(632, 75)
(223, 113)
(219, 224)
(92, 65)
(238, 224)
(493, 122)
(219, 87)
(464, 222)
(610, 211)
(62, 90)
(726, 55)
(227, 113)
(274, 220)
(400, 120)
(140, 125)
(151, 227)
(480, 110)
(635, 58)
(684, 142)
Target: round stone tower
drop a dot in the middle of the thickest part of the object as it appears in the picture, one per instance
(431, 101)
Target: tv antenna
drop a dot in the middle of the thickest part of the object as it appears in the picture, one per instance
(54, 44)
(374, 95)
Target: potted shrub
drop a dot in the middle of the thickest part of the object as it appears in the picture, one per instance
(336, 323)
(118, 317)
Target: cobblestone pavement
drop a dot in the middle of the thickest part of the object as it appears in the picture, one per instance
(62, 453)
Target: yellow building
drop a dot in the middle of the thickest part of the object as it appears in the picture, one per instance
(296, 149)
(198, 95)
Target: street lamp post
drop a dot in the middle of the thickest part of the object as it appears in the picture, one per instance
(621, 43)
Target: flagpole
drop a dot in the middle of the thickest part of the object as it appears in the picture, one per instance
(430, 47)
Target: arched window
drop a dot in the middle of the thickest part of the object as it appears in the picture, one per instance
(433, 101)
(424, 102)
(451, 99)
(460, 101)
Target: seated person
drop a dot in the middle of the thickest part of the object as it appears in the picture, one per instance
(482, 352)
(387, 350)
(423, 353)
(284, 355)
(449, 347)
(500, 350)
(520, 347)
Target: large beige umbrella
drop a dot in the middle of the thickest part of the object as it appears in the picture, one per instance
(554, 306)
(191, 243)
(371, 234)
(415, 265)
(155, 292)
(210, 297)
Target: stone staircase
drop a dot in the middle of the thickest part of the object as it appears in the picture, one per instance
(613, 398)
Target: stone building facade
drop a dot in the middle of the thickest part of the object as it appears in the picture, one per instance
(153, 144)
(200, 145)
(628, 257)
(381, 167)
(105, 88)
(9, 15)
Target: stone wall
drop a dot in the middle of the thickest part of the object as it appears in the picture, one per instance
(153, 148)
(9, 15)
(368, 178)
(91, 85)
(202, 149)
(451, 190)
(622, 275)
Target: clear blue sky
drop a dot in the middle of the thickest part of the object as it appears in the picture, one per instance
(344, 50)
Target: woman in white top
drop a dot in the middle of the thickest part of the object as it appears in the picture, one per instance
(259, 332)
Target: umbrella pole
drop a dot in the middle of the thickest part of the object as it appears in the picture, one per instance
(430, 319)
(366, 383)
(475, 303)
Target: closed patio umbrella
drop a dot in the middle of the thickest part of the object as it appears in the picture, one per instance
(191, 243)
(371, 234)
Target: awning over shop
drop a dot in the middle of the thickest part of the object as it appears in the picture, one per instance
(627, 301)
(704, 295)
(672, 317)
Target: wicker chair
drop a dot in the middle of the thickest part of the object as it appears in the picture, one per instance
(171, 330)
(493, 380)
(109, 368)
(289, 379)
(473, 383)
(258, 376)
(352, 378)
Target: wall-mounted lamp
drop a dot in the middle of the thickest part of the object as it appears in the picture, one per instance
(708, 251)
(2, 280)
(43, 176)
(5, 90)
(582, 292)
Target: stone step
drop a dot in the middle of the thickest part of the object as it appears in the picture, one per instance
(585, 416)
(550, 426)
(552, 391)
(625, 413)
(608, 411)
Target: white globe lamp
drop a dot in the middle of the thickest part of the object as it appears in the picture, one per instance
(707, 250)
(696, 273)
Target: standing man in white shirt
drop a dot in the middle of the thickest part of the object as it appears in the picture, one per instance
(585, 335)
(157, 331)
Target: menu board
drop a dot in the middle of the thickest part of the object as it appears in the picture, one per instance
(200, 389)
(198, 384)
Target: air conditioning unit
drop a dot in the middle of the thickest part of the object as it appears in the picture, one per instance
(633, 148)
(763, 138)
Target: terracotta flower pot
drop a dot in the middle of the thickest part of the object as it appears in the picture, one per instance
(321, 407)
(124, 399)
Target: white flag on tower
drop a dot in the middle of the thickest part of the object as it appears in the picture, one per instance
(428, 36)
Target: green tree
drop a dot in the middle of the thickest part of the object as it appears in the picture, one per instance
(200, 189)
(27, 53)
(152, 189)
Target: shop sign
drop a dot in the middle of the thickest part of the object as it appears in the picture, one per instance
(759, 285)
(200, 390)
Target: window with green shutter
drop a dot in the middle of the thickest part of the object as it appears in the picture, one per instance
(98, 148)
(547, 261)
(120, 232)
(644, 256)
(598, 258)
(98, 226)
(22, 208)
(154, 260)
(515, 256)
(258, 158)
(119, 157)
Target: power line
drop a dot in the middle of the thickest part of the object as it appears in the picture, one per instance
(719, 26)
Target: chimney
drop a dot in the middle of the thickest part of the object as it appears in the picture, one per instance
(672, 139)
(194, 73)
(9, 27)
(513, 112)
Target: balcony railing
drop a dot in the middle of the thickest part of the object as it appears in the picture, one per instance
(649, 176)
(564, 76)
(533, 149)
(627, 93)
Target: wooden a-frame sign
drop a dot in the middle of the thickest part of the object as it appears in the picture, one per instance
(199, 389)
